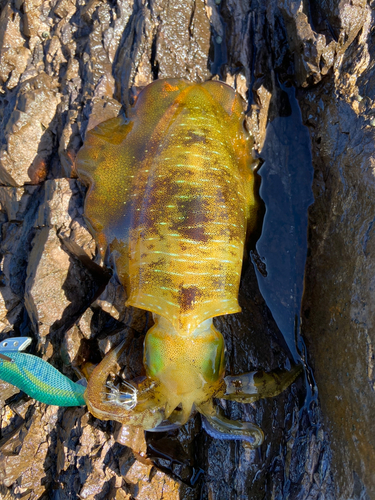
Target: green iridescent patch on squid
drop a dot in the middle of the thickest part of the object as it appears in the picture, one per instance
(154, 356)
(214, 362)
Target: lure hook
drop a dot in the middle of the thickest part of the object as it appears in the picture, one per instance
(125, 399)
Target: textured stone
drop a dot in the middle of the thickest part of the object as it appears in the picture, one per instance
(29, 134)
(338, 304)
(50, 268)
(46, 274)
(14, 55)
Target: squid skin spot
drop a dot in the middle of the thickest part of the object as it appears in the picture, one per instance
(188, 296)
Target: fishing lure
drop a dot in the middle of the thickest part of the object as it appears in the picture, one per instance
(36, 377)
(172, 198)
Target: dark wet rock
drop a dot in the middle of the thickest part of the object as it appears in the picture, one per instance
(65, 66)
(337, 309)
(182, 40)
(6, 391)
(70, 143)
(113, 298)
(35, 21)
(319, 36)
(133, 437)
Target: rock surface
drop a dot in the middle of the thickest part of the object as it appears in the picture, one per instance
(337, 311)
(67, 65)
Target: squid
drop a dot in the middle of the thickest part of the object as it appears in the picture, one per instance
(171, 197)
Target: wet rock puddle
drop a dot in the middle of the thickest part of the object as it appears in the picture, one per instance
(287, 175)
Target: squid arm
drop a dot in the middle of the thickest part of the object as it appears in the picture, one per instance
(245, 388)
(218, 426)
(252, 386)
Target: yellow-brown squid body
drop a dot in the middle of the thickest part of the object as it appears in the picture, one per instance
(171, 195)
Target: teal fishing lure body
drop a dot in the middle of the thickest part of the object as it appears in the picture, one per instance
(40, 380)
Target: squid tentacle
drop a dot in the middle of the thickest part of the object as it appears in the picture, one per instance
(220, 427)
(97, 397)
(245, 388)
